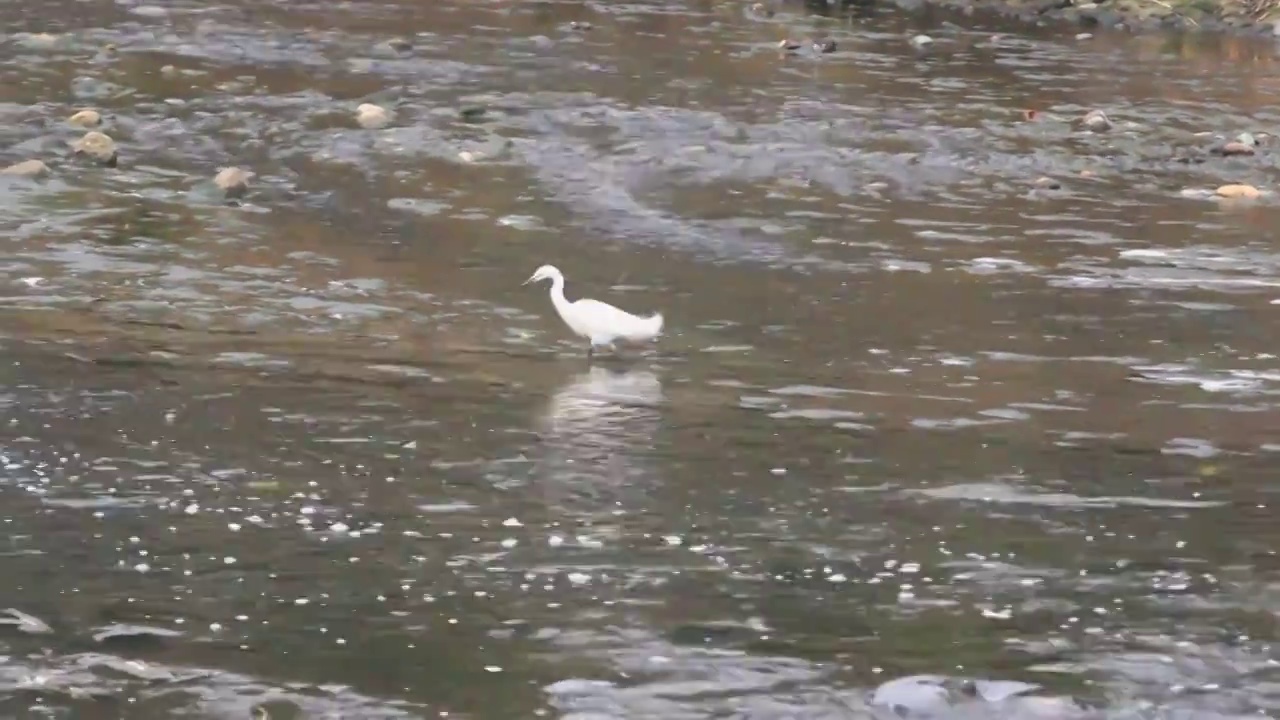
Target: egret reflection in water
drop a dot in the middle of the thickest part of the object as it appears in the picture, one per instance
(597, 436)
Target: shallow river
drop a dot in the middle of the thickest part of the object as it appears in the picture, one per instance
(945, 392)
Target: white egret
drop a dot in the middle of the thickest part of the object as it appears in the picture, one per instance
(600, 323)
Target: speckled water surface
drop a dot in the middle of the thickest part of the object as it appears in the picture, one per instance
(965, 409)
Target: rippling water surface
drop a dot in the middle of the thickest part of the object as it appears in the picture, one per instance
(928, 436)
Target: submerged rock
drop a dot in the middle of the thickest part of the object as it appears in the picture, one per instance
(762, 10)
(824, 46)
(1048, 183)
(921, 41)
(86, 118)
(26, 168)
(788, 45)
(233, 181)
(97, 146)
(372, 117)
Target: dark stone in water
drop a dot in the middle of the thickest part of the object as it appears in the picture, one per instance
(474, 113)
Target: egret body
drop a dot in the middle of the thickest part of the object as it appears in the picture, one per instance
(600, 323)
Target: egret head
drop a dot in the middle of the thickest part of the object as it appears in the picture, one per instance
(546, 272)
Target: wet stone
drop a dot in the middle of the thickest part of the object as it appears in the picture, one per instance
(98, 147)
(1238, 191)
(372, 117)
(39, 41)
(29, 624)
(392, 48)
(136, 669)
(1047, 183)
(27, 168)
(1236, 148)
(233, 181)
(473, 113)
(133, 634)
(86, 118)
(1095, 121)
(277, 710)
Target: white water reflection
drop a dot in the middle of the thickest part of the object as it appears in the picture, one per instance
(597, 433)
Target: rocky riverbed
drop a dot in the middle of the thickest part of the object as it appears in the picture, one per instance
(966, 405)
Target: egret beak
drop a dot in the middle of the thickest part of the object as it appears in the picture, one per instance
(531, 279)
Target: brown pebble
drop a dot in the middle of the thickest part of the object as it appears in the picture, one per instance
(1087, 173)
(233, 181)
(98, 146)
(86, 118)
(1238, 190)
(1236, 148)
(26, 168)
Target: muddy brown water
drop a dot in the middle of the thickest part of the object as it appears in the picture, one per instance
(923, 438)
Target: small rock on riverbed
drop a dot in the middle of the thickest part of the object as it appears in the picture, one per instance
(1238, 191)
(39, 41)
(26, 168)
(1095, 121)
(1236, 148)
(25, 623)
(1047, 183)
(98, 146)
(233, 181)
(921, 41)
(393, 47)
(372, 117)
(86, 118)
